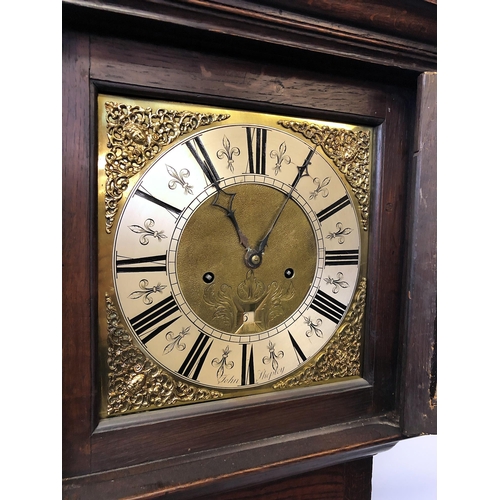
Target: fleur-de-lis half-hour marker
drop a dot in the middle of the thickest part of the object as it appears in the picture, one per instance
(273, 357)
(320, 188)
(146, 291)
(340, 234)
(178, 179)
(313, 327)
(280, 157)
(147, 231)
(228, 152)
(337, 283)
(175, 341)
(223, 363)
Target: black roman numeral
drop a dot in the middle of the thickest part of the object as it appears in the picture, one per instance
(333, 208)
(173, 210)
(257, 156)
(134, 265)
(342, 257)
(205, 163)
(328, 306)
(152, 317)
(301, 357)
(196, 357)
(247, 366)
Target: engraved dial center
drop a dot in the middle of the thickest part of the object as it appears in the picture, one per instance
(241, 298)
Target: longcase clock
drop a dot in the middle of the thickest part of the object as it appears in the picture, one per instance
(244, 190)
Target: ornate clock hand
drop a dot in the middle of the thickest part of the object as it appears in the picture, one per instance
(253, 258)
(222, 200)
(225, 201)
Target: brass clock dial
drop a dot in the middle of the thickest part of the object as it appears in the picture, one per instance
(236, 253)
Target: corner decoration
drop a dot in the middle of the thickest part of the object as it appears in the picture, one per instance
(133, 379)
(135, 136)
(136, 382)
(350, 152)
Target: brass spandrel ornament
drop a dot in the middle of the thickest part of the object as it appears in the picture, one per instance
(136, 135)
(232, 253)
(135, 382)
(350, 150)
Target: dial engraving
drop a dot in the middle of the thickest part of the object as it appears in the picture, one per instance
(175, 341)
(337, 283)
(280, 156)
(146, 291)
(340, 234)
(146, 232)
(228, 152)
(274, 357)
(320, 188)
(222, 364)
(179, 179)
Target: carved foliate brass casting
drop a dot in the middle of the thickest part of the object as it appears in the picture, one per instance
(136, 135)
(349, 150)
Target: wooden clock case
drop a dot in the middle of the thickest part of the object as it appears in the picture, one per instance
(361, 62)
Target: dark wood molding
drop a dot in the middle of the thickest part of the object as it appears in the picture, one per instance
(419, 406)
(189, 475)
(273, 24)
(337, 482)
(77, 380)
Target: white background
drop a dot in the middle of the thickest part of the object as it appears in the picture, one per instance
(408, 471)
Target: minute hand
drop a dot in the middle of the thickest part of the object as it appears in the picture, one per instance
(302, 171)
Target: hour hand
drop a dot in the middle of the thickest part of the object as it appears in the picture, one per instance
(225, 201)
